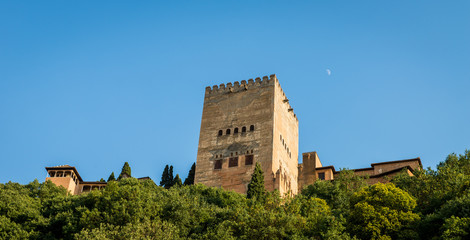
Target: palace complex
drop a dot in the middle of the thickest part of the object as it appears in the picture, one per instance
(245, 123)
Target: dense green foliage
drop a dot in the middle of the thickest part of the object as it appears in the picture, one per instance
(434, 204)
(190, 179)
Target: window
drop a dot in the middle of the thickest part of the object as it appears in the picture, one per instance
(249, 160)
(218, 164)
(252, 128)
(220, 132)
(228, 131)
(233, 162)
(321, 176)
(235, 130)
(243, 129)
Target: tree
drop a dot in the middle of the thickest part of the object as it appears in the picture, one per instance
(177, 181)
(167, 177)
(256, 188)
(382, 211)
(190, 179)
(165, 174)
(102, 180)
(170, 176)
(111, 177)
(125, 172)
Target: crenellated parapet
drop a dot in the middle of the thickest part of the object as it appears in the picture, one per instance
(242, 85)
(286, 101)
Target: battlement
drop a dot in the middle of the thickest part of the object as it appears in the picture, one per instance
(241, 86)
(245, 85)
(286, 100)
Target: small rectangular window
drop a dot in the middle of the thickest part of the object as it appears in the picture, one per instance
(321, 176)
(249, 160)
(233, 162)
(218, 164)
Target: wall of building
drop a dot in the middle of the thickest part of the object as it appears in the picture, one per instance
(285, 144)
(235, 106)
(66, 182)
(307, 172)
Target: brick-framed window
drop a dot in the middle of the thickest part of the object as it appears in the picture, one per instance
(249, 159)
(321, 175)
(218, 164)
(233, 162)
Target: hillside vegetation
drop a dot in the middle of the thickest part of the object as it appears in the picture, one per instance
(434, 204)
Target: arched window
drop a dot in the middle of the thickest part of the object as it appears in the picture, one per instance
(243, 129)
(228, 131)
(252, 127)
(235, 130)
(221, 132)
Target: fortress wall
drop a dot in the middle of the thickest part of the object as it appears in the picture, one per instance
(307, 172)
(286, 143)
(230, 106)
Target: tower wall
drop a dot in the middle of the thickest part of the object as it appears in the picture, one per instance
(307, 172)
(233, 106)
(285, 144)
(259, 103)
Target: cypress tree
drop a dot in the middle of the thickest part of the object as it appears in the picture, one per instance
(256, 188)
(177, 181)
(190, 179)
(111, 177)
(164, 181)
(125, 172)
(170, 177)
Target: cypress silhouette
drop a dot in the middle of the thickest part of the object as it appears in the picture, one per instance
(190, 179)
(165, 174)
(256, 188)
(170, 177)
(111, 177)
(125, 172)
(177, 181)
(167, 177)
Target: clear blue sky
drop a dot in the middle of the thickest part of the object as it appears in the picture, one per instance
(96, 83)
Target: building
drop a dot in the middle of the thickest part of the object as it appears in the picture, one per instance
(68, 177)
(311, 169)
(244, 123)
(252, 122)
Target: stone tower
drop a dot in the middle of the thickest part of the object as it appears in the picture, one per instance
(245, 123)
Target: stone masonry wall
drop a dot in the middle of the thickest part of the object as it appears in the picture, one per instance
(236, 106)
(286, 144)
